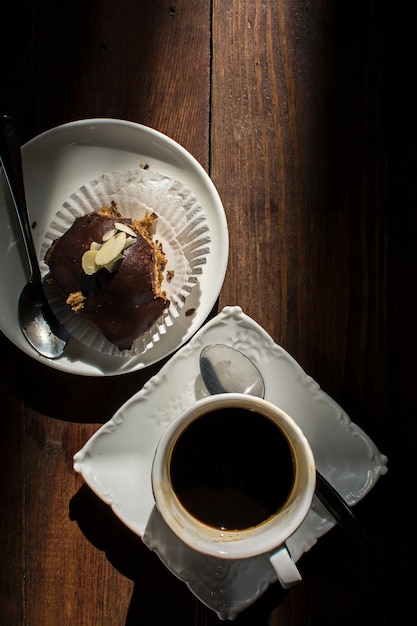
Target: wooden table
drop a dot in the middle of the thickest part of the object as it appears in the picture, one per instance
(304, 115)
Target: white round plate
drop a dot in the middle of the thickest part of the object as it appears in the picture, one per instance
(61, 160)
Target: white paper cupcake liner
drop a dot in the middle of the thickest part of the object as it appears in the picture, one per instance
(181, 227)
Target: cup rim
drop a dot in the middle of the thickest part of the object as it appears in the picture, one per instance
(248, 542)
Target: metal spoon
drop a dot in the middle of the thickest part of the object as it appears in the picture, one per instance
(224, 370)
(39, 325)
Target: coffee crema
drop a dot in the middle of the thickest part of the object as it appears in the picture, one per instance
(232, 468)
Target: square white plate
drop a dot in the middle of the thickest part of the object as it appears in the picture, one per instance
(116, 462)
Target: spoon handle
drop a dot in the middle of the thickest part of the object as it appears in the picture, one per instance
(10, 154)
(339, 509)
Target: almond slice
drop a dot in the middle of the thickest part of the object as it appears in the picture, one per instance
(129, 242)
(112, 264)
(95, 245)
(109, 234)
(110, 249)
(125, 228)
(88, 262)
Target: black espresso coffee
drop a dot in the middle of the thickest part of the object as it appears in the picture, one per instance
(232, 468)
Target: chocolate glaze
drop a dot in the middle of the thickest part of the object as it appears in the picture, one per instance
(121, 304)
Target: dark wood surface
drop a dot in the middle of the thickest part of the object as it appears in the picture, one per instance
(303, 113)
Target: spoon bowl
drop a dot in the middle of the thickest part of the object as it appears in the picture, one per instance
(38, 323)
(227, 370)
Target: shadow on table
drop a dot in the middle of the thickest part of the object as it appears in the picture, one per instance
(159, 598)
(89, 399)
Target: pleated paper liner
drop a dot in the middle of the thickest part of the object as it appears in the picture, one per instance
(181, 227)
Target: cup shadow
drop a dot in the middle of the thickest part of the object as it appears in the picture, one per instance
(159, 597)
(127, 553)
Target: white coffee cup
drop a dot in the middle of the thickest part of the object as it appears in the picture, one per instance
(234, 477)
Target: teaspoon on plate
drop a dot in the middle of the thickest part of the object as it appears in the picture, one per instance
(38, 323)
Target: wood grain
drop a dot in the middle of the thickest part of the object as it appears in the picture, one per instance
(303, 113)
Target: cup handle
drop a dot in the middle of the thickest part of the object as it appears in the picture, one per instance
(285, 568)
